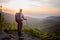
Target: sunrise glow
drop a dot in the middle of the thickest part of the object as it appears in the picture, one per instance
(31, 6)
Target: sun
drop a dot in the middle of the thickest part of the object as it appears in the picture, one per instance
(17, 4)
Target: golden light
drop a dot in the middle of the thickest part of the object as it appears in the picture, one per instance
(17, 4)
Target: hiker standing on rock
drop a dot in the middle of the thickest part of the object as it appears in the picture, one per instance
(19, 17)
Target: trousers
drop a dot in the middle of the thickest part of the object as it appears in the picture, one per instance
(20, 24)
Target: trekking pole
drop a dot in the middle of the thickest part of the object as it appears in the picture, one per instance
(26, 22)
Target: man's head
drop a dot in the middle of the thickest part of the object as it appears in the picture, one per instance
(20, 10)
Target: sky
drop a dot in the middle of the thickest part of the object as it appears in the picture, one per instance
(40, 6)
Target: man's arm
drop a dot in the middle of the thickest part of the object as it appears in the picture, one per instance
(15, 16)
(24, 18)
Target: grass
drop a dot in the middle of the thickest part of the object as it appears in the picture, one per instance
(37, 33)
(43, 35)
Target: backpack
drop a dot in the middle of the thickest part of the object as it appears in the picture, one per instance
(17, 17)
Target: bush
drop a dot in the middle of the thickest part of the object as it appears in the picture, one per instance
(43, 35)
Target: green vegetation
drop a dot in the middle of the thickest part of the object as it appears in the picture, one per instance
(2, 21)
(31, 31)
(36, 33)
(12, 27)
(43, 35)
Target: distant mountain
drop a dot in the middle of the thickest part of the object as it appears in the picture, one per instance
(8, 17)
(54, 18)
(50, 24)
(31, 22)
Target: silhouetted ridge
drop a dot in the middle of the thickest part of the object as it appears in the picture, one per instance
(55, 18)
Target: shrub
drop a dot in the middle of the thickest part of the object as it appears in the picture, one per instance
(43, 35)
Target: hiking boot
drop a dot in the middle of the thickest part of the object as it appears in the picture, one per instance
(21, 38)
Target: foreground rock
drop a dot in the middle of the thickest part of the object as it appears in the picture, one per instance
(4, 36)
(14, 36)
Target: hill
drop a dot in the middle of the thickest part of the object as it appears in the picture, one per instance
(10, 18)
(50, 24)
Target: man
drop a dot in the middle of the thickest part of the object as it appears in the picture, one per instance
(19, 17)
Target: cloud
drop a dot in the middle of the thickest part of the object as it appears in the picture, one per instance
(45, 3)
(34, 0)
(4, 1)
(32, 3)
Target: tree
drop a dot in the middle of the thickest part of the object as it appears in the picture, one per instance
(0, 17)
(2, 21)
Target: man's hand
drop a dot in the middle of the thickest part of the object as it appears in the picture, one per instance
(25, 19)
